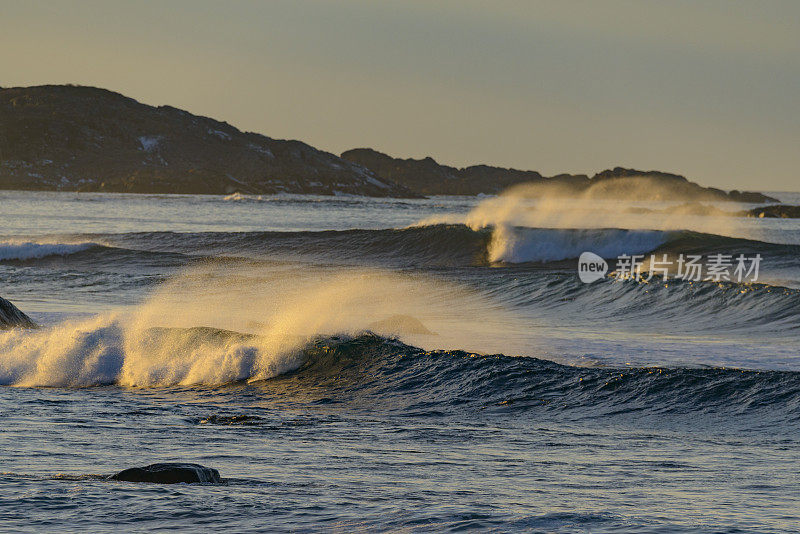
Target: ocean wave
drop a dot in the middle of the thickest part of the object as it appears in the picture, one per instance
(543, 245)
(446, 244)
(375, 372)
(522, 245)
(419, 246)
(106, 350)
(721, 308)
(440, 379)
(93, 254)
(26, 250)
(149, 343)
(454, 245)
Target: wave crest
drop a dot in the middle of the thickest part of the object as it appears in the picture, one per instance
(27, 250)
(522, 245)
(373, 372)
(105, 350)
(438, 245)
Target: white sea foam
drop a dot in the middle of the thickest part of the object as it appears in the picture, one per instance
(238, 197)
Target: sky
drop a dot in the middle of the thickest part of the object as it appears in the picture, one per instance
(707, 89)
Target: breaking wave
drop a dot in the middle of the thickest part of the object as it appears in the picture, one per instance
(378, 372)
(436, 246)
(521, 245)
(106, 350)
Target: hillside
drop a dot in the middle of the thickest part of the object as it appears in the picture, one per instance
(431, 178)
(72, 138)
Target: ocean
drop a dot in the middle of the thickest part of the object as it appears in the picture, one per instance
(356, 364)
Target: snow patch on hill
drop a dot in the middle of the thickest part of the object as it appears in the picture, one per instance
(149, 142)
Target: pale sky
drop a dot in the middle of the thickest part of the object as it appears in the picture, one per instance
(708, 89)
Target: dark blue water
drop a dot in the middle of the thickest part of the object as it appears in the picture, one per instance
(346, 373)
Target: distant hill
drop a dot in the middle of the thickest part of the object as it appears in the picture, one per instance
(72, 138)
(431, 178)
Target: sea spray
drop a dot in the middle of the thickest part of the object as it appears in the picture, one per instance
(520, 208)
(215, 324)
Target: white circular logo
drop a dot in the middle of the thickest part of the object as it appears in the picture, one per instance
(591, 267)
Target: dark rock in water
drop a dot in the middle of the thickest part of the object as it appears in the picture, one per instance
(12, 317)
(775, 212)
(169, 473)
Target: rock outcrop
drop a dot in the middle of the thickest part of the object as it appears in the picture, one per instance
(70, 138)
(779, 211)
(169, 473)
(12, 317)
